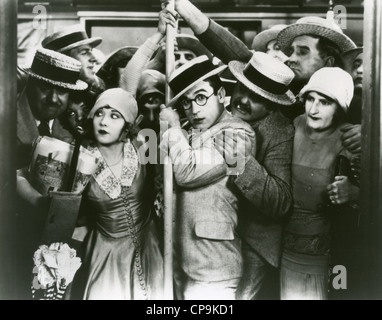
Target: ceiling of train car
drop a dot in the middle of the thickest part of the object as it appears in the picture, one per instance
(355, 6)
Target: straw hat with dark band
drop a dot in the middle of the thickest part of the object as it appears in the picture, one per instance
(317, 26)
(57, 69)
(265, 76)
(191, 73)
(69, 38)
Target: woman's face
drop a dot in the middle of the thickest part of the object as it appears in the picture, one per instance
(108, 124)
(319, 111)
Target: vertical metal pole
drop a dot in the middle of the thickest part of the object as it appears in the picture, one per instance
(8, 83)
(371, 174)
(168, 175)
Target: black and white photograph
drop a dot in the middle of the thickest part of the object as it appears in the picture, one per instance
(190, 151)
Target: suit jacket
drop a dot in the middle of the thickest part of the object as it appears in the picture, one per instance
(27, 131)
(206, 239)
(266, 182)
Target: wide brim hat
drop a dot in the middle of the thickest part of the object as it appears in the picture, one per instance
(265, 76)
(189, 42)
(190, 74)
(69, 38)
(56, 69)
(261, 40)
(117, 59)
(317, 26)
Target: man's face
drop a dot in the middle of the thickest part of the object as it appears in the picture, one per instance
(203, 117)
(246, 105)
(76, 115)
(304, 57)
(182, 56)
(357, 71)
(273, 49)
(149, 107)
(47, 101)
(85, 56)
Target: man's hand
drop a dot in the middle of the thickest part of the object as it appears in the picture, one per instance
(169, 117)
(167, 16)
(342, 190)
(351, 138)
(235, 147)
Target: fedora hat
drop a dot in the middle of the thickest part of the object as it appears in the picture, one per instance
(261, 40)
(317, 26)
(117, 59)
(69, 38)
(186, 41)
(265, 76)
(190, 74)
(57, 69)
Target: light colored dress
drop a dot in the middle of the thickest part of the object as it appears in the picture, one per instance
(306, 249)
(122, 258)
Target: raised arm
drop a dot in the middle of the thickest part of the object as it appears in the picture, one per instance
(215, 38)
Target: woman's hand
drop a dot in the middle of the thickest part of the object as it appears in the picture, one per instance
(342, 190)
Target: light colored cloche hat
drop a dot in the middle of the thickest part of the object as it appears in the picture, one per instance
(265, 76)
(69, 38)
(261, 40)
(57, 69)
(190, 74)
(318, 26)
(334, 83)
(118, 99)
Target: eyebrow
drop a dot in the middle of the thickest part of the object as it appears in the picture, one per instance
(202, 90)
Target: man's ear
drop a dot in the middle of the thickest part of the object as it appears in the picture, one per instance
(329, 61)
(221, 95)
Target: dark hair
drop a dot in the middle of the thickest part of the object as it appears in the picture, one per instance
(327, 48)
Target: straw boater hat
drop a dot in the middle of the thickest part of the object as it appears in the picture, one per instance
(186, 41)
(191, 73)
(69, 38)
(117, 59)
(349, 56)
(265, 76)
(57, 69)
(332, 82)
(317, 26)
(261, 40)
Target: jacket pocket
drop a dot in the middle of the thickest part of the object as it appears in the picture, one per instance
(214, 230)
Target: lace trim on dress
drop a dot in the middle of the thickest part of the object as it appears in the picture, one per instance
(105, 178)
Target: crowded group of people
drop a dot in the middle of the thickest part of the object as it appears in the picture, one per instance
(255, 135)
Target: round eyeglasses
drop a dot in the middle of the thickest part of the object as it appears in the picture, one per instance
(200, 100)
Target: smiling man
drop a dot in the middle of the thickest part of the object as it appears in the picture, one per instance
(207, 246)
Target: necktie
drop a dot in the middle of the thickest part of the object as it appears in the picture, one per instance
(43, 129)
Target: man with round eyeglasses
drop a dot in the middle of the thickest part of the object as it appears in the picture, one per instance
(208, 255)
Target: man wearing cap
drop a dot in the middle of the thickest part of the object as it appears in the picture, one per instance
(74, 42)
(208, 249)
